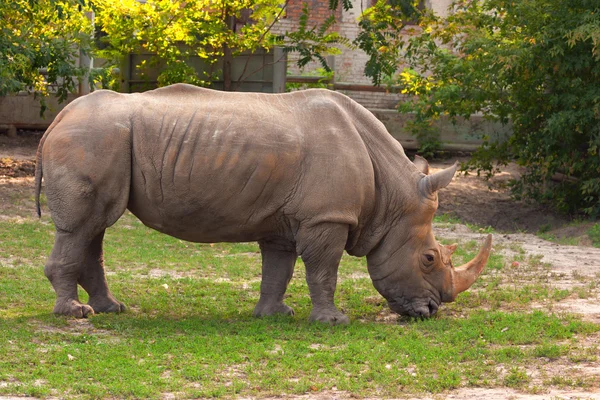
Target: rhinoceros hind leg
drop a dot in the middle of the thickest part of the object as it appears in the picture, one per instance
(62, 269)
(73, 308)
(278, 260)
(93, 279)
(81, 211)
(321, 248)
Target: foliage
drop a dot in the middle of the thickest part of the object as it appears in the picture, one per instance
(324, 81)
(382, 35)
(535, 63)
(173, 31)
(378, 36)
(40, 41)
(316, 41)
(594, 234)
(50, 33)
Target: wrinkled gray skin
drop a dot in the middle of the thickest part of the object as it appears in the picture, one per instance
(307, 174)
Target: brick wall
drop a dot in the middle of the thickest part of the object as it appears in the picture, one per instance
(374, 100)
(319, 11)
(349, 65)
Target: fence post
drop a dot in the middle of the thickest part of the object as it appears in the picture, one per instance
(279, 70)
(86, 62)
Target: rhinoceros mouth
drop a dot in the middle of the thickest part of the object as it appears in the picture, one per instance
(422, 308)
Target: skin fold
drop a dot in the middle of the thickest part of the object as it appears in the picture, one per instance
(307, 174)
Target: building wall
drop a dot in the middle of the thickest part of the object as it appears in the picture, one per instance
(319, 11)
(349, 65)
(440, 7)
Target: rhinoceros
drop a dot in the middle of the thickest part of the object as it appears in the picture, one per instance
(310, 174)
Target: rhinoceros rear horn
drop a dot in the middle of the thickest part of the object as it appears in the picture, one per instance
(421, 164)
(465, 275)
(432, 183)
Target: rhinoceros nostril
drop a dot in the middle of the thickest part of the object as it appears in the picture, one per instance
(433, 307)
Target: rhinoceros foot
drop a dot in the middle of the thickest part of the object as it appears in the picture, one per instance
(73, 308)
(264, 309)
(106, 305)
(332, 317)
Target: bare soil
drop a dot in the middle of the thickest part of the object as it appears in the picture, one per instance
(472, 199)
(482, 202)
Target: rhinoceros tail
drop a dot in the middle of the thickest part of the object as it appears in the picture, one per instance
(38, 181)
(38, 163)
(38, 170)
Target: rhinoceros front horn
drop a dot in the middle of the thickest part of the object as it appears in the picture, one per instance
(465, 275)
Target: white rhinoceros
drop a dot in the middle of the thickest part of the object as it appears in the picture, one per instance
(309, 174)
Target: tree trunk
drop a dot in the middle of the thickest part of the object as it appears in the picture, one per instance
(227, 60)
(227, 57)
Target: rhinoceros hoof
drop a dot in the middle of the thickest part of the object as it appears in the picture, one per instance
(73, 308)
(264, 310)
(332, 317)
(106, 305)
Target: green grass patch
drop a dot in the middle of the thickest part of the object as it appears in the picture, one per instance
(189, 332)
(448, 220)
(594, 234)
(565, 241)
(576, 233)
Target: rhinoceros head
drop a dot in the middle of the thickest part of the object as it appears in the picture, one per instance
(409, 267)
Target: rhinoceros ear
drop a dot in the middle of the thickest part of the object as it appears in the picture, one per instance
(432, 183)
(421, 164)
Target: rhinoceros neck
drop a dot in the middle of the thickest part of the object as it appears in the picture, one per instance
(395, 183)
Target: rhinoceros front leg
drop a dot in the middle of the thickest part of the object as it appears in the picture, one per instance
(93, 280)
(278, 260)
(321, 248)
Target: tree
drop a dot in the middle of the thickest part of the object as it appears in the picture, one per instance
(40, 41)
(535, 63)
(382, 35)
(174, 30)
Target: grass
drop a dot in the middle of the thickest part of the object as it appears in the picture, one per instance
(585, 237)
(189, 333)
(449, 220)
(565, 241)
(594, 234)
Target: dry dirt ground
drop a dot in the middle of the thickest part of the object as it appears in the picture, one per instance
(470, 198)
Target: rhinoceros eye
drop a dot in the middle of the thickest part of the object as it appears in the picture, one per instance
(428, 259)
